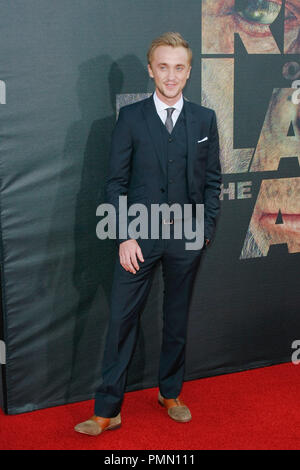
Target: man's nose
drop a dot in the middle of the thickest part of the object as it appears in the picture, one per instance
(171, 74)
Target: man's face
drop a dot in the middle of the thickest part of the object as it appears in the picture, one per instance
(170, 69)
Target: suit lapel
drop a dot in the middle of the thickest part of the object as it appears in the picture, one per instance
(191, 130)
(154, 128)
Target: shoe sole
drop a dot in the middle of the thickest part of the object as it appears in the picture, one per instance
(177, 420)
(112, 428)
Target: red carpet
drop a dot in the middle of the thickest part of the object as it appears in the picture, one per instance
(258, 409)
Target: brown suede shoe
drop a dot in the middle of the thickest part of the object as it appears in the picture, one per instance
(96, 425)
(177, 410)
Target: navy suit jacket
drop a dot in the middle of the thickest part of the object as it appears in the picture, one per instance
(137, 168)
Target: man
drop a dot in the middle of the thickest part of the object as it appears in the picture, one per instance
(164, 149)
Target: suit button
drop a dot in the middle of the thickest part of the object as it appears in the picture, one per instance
(162, 190)
(170, 161)
(170, 181)
(170, 139)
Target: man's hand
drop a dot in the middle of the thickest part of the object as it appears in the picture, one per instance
(128, 252)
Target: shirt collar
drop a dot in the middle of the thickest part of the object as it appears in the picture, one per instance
(162, 106)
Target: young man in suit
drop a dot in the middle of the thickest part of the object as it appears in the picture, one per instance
(165, 149)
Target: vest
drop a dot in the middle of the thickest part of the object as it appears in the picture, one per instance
(175, 161)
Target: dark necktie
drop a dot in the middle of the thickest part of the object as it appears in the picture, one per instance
(169, 121)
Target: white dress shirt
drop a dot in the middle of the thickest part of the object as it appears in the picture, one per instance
(161, 108)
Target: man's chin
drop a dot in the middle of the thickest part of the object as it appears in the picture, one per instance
(171, 93)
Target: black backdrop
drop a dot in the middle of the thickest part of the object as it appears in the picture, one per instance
(65, 66)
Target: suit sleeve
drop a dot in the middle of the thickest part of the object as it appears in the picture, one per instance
(119, 166)
(213, 179)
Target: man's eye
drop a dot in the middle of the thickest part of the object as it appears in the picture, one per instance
(259, 11)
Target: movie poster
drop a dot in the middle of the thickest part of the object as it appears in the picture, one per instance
(247, 26)
(66, 68)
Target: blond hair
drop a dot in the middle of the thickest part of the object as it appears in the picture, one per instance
(169, 39)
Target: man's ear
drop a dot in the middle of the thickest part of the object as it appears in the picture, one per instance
(189, 72)
(150, 71)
